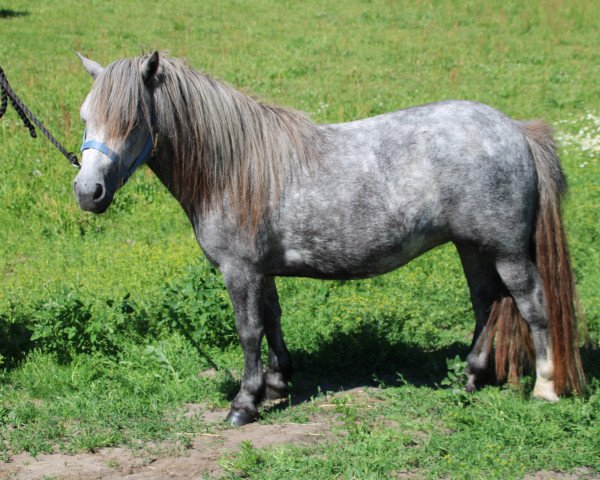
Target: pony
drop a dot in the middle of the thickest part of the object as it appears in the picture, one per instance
(270, 193)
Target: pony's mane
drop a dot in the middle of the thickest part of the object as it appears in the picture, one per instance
(223, 143)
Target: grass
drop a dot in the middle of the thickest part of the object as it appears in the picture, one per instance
(409, 429)
(106, 320)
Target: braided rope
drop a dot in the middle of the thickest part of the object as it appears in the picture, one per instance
(27, 117)
(4, 102)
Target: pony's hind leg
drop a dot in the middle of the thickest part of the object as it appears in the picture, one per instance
(485, 287)
(523, 282)
(280, 368)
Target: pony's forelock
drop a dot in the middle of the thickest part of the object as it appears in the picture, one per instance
(119, 100)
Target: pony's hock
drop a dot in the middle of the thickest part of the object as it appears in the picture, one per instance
(269, 193)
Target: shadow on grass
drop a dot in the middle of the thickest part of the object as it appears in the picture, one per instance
(15, 342)
(590, 356)
(9, 13)
(362, 357)
(367, 358)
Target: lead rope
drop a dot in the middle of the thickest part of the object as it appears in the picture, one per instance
(25, 115)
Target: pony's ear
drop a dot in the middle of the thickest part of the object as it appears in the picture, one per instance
(149, 67)
(93, 68)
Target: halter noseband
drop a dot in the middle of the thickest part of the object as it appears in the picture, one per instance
(102, 148)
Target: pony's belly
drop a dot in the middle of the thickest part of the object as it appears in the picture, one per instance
(351, 264)
(338, 271)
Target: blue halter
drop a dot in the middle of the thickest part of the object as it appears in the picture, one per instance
(102, 148)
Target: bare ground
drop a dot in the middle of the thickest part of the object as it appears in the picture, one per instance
(201, 459)
(578, 474)
(204, 457)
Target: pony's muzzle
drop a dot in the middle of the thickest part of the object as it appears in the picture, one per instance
(92, 196)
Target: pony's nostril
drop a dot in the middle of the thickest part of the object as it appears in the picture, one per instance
(99, 192)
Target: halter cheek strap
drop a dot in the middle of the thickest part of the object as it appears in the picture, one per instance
(102, 148)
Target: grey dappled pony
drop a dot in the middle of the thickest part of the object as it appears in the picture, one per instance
(269, 193)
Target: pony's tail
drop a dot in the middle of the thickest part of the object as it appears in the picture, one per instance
(513, 338)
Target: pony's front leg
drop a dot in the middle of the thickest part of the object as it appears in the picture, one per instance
(246, 290)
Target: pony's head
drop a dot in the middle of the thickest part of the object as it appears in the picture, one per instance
(218, 146)
(118, 134)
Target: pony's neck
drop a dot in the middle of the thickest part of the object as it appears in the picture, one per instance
(163, 169)
(221, 145)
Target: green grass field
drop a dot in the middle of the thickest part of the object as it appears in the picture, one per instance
(105, 321)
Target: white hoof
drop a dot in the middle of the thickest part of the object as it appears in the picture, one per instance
(544, 390)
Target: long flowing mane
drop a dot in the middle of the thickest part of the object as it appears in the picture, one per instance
(223, 144)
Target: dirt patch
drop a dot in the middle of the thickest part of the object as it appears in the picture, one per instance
(578, 474)
(199, 460)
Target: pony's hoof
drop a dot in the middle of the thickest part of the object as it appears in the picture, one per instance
(544, 390)
(239, 419)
